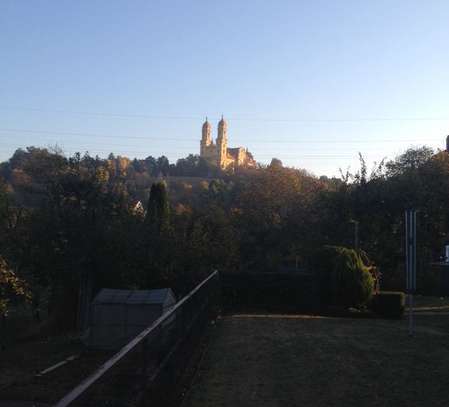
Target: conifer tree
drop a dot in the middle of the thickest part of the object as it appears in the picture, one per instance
(158, 235)
(158, 211)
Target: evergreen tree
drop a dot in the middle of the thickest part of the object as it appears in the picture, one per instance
(158, 211)
(158, 237)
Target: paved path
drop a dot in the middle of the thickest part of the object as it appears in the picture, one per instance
(280, 361)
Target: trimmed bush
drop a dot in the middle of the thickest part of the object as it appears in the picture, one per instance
(345, 279)
(389, 304)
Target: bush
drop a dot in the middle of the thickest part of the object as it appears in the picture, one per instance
(389, 304)
(345, 279)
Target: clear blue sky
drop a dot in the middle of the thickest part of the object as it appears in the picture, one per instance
(309, 82)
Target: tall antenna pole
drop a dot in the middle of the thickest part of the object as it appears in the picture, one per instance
(410, 263)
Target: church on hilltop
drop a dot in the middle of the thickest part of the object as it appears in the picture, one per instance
(218, 154)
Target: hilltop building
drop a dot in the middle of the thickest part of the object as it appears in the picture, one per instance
(218, 153)
(443, 154)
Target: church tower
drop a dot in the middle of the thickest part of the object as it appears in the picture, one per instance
(222, 142)
(206, 139)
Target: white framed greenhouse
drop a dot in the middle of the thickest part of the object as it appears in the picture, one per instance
(117, 316)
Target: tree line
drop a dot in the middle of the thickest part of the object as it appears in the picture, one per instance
(64, 217)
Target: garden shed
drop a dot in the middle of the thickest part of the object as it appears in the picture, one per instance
(117, 316)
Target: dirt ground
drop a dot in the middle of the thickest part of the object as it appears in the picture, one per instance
(269, 360)
(19, 364)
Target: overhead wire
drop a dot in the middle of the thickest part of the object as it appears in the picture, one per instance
(278, 141)
(234, 118)
(336, 140)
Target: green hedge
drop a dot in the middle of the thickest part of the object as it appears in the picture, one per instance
(271, 292)
(344, 278)
(389, 304)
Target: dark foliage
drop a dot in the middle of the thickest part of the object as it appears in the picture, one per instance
(274, 292)
(345, 279)
(65, 218)
(389, 304)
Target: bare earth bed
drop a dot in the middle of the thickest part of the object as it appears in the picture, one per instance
(257, 360)
(20, 363)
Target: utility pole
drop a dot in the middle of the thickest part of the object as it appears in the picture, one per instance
(356, 233)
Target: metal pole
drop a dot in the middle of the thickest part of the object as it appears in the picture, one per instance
(407, 269)
(410, 262)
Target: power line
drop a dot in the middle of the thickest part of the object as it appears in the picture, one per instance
(71, 133)
(106, 147)
(100, 114)
(103, 151)
(126, 151)
(126, 147)
(233, 118)
(336, 140)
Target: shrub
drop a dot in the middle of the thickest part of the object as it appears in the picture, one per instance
(389, 304)
(10, 286)
(345, 279)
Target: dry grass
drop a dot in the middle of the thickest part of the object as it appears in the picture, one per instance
(306, 361)
(276, 360)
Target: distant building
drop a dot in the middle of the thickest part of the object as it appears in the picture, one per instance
(137, 208)
(443, 154)
(218, 153)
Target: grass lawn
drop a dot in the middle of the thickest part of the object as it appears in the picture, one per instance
(431, 304)
(313, 361)
(273, 360)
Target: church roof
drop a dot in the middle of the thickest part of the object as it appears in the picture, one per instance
(206, 124)
(222, 122)
(234, 152)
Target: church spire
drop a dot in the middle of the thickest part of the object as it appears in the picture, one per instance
(222, 142)
(222, 128)
(206, 138)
